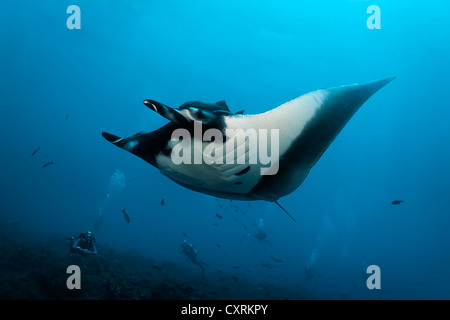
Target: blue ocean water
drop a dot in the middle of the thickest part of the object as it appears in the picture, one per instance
(60, 88)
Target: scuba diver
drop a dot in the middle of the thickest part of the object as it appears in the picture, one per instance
(84, 244)
(191, 253)
(260, 234)
(311, 275)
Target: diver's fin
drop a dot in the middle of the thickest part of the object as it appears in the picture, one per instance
(284, 210)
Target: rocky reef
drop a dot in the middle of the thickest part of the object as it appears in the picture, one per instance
(37, 271)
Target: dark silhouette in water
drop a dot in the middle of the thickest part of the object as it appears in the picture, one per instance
(260, 234)
(191, 253)
(35, 151)
(277, 260)
(311, 275)
(268, 265)
(162, 202)
(125, 215)
(395, 202)
(47, 164)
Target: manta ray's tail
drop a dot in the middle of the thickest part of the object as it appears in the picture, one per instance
(285, 210)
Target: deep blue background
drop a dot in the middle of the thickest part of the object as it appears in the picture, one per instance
(256, 55)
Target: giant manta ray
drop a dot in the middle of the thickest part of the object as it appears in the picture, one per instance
(306, 127)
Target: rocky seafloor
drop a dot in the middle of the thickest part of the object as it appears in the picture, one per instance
(37, 271)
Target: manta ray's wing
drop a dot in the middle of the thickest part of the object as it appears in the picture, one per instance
(307, 125)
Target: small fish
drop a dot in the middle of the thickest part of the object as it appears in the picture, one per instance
(35, 150)
(277, 260)
(267, 265)
(67, 116)
(235, 267)
(126, 216)
(162, 202)
(156, 267)
(219, 216)
(184, 234)
(218, 245)
(235, 278)
(397, 202)
(47, 164)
